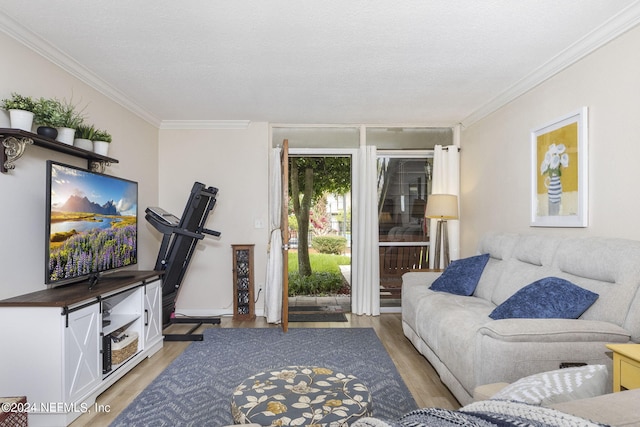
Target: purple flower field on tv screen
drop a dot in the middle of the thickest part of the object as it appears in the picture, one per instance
(93, 251)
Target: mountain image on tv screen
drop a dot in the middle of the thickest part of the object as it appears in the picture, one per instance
(92, 221)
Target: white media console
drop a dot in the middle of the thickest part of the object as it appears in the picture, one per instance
(53, 346)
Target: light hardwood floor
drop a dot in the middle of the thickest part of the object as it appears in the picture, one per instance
(417, 373)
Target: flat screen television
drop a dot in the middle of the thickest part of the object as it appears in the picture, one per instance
(91, 224)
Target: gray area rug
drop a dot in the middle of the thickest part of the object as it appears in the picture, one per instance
(196, 388)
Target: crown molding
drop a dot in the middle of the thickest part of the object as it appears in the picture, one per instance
(205, 124)
(61, 59)
(613, 28)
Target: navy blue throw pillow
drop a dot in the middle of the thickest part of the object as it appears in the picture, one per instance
(461, 276)
(548, 298)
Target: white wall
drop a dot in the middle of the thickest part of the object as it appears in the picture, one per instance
(22, 191)
(236, 162)
(495, 175)
(495, 155)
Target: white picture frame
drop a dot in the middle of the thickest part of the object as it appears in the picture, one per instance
(559, 172)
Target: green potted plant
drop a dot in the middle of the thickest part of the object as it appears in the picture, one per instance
(84, 137)
(20, 110)
(47, 117)
(70, 119)
(101, 141)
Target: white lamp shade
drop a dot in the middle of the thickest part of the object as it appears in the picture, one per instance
(442, 206)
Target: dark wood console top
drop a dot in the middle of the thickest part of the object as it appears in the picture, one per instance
(67, 295)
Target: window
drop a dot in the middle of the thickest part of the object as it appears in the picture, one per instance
(404, 183)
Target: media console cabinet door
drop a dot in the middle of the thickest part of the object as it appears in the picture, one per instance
(152, 314)
(83, 370)
(32, 353)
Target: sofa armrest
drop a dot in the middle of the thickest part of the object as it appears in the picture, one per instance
(425, 278)
(553, 330)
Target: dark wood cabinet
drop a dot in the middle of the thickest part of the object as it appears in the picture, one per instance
(243, 282)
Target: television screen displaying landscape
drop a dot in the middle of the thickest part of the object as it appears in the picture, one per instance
(92, 223)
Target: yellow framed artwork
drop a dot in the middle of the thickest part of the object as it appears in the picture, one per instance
(559, 172)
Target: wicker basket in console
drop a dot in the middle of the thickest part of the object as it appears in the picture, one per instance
(121, 351)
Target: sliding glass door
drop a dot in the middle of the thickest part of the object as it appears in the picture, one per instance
(404, 183)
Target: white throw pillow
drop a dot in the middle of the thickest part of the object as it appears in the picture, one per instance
(557, 386)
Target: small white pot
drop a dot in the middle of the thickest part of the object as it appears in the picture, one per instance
(21, 119)
(66, 135)
(85, 144)
(101, 147)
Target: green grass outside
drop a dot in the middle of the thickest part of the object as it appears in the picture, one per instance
(320, 262)
(325, 278)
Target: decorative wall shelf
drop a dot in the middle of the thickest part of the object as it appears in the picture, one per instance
(15, 141)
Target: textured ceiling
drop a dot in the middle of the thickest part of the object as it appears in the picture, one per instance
(434, 62)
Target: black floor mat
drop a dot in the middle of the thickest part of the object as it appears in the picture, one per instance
(318, 308)
(317, 317)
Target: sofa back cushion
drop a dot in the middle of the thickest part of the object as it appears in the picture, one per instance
(499, 246)
(611, 268)
(531, 260)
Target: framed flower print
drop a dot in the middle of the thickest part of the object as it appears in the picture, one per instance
(559, 172)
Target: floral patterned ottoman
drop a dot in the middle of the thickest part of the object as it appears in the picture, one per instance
(300, 396)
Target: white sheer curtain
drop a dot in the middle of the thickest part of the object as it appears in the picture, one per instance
(366, 271)
(273, 287)
(446, 180)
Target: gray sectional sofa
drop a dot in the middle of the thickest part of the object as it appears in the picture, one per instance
(468, 348)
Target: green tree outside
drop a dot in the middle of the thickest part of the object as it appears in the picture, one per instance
(309, 179)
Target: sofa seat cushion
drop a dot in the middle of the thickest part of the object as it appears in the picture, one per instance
(616, 409)
(547, 298)
(448, 324)
(441, 315)
(461, 276)
(553, 330)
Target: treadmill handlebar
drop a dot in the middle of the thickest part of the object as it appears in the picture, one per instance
(212, 232)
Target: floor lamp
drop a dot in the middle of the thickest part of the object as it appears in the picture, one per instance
(442, 207)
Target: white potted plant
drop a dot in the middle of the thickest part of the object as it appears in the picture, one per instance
(20, 110)
(101, 141)
(84, 137)
(70, 120)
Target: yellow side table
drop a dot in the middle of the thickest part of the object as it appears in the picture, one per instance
(626, 366)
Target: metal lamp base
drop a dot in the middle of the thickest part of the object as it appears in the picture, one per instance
(442, 244)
